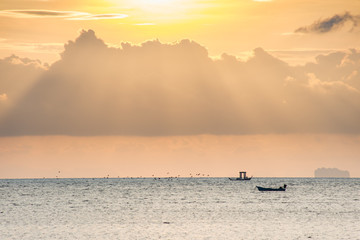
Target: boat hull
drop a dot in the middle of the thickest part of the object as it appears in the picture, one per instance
(262, 189)
(240, 179)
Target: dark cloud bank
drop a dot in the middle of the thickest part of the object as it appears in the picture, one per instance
(331, 24)
(175, 89)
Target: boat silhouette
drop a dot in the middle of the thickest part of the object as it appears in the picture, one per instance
(242, 177)
(271, 189)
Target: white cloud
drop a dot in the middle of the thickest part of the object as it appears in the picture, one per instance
(98, 16)
(17, 74)
(325, 87)
(68, 15)
(177, 89)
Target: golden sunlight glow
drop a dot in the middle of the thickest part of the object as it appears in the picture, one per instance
(155, 2)
(155, 5)
(158, 10)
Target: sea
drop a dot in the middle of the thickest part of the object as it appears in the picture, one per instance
(179, 208)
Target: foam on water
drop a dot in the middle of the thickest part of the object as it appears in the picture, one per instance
(185, 208)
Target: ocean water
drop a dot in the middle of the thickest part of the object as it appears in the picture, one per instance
(180, 208)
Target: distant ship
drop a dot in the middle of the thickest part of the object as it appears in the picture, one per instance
(242, 177)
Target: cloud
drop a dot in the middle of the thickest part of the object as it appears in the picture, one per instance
(331, 24)
(17, 73)
(16, 76)
(157, 89)
(99, 16)
(68, 15)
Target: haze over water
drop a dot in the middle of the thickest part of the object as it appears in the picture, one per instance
(179, 208)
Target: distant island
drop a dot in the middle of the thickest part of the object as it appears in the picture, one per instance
(331, 172)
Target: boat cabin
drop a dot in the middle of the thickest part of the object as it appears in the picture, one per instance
(241, 175)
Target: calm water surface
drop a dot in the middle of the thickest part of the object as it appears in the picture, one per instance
(185, 208)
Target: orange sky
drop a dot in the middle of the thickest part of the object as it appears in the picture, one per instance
(236, 27)
(136, 88)
(217, 156)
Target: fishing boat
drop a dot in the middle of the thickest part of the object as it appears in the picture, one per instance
(271, 189)
(242, 177)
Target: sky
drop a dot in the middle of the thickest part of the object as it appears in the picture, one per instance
(135, 88)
